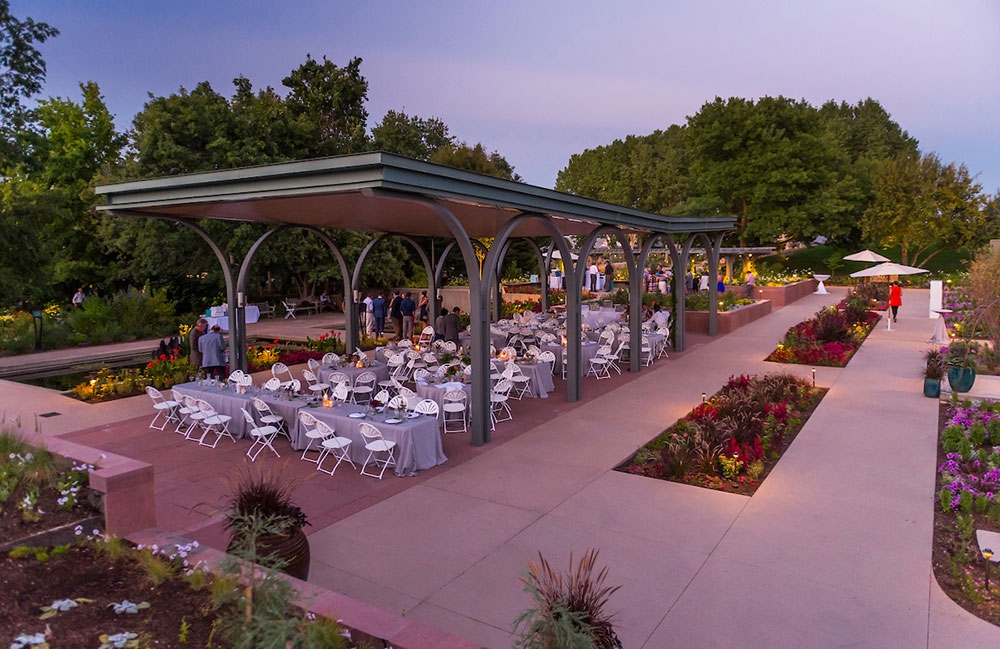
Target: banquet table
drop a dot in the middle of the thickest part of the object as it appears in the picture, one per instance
(228, 402)
(436, 391)
(940, 334)
(418, 439)
(588, 349)
(540, 374)
(251, 312)
(600, 318)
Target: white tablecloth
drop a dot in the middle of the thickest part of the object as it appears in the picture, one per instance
(381, 371)
(252, 315)
(436, 391)
(418, 440)
(600, 318)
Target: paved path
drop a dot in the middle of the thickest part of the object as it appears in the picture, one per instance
(833, 550)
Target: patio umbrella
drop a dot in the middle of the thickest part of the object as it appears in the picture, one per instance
(888, 269)
(866, 255)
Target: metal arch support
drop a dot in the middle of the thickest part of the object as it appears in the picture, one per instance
(712, 247)
(635, 296)
(350, 308)
(428, 268)
(480, 413)
(227, 273)
(543, 278)
(572, 296)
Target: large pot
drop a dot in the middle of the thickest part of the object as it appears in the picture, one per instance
(961, 378)
(292, 549)
(932, 388)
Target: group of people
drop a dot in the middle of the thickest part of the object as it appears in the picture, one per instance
(208, 349)
(404, 313)
(594, 272)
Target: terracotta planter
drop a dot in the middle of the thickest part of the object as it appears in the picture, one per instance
(961, 378)
(292, 549)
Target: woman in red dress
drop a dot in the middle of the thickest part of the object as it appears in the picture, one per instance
(895, 298)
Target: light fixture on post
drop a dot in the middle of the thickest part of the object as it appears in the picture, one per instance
(988, 554)
(703, 397)
(814, 377)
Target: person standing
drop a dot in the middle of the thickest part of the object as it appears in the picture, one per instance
(379, 311)
(396, 315)
(213, 352)
(196, 333)
(407, 309)
(609, 276)
(895, 298)
(452, 325)
(593, 272)
(751, 284)
(78, 299)
(720, 286)
(423, 306)
(368, 319)
(439, 324)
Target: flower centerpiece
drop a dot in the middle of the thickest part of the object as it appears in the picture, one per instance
(359, 358)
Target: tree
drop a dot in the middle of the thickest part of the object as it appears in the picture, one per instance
(331, 102)
(462, 156)
(647, 172)
(22, 71)
(922, 206)
(410, 136)
(772, 164)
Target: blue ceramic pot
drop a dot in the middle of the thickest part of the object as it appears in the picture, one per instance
(961, 378)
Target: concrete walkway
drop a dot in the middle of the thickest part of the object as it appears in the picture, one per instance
(833, 550)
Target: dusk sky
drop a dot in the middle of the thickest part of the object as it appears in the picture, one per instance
(539, 81)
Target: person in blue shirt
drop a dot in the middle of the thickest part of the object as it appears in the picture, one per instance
(407, 309)
(379, 312)
(213, 353)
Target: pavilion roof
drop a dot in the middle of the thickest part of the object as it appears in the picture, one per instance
(362, 191)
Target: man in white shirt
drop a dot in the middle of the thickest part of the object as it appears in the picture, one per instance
(369, 318)
(593, 272)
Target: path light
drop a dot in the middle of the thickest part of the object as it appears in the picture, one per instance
(703, 397)
(988, 553)
(814, 377)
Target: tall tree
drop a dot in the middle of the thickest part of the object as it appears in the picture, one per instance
(22, 71)
(410, 136)
(332, 101)
(922, 206)
(772, 165)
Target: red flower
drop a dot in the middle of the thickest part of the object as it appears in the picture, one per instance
(163, 357)
(275, 341)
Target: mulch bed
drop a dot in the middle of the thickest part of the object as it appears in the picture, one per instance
(13, 526)
(84, 572)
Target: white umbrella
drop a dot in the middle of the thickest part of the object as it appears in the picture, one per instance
(558, 255)
(888, 269)
(866, 255)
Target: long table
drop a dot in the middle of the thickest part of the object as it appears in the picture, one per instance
(540, 374)
(588, 349)
(418, 439)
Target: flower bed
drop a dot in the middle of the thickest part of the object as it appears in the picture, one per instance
(829, 338)
(968, 485)
(728, 321)
(161, 373)
(783, 294)
(731, 441)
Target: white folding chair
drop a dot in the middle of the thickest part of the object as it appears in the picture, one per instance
(311, 433)
(272, 384)
(290, 309)
(334, 445)
(449, 346)
(599, 364)
(647, 351)
(613, 357)
(330, 359)
(236, 377)
(313, 365)
(167, 408)
(397, 402)
(194, 418)
(315, 385)
(426, 335)
(519, 380)
(665, 332)
(454, 409)
(340, 392)
(427, 407)
(364, 385)
(499, 406)
(262, 437)
(281, 372)
(376, 445)
(267, 417)
(183, 411)
(421, 375)
(548, 357)
(214, 423)
(383, 397)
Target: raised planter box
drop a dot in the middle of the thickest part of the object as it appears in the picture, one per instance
(779, 296)
(697, 321)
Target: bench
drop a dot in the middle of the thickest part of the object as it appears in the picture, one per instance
(265, 308)
(293, 306)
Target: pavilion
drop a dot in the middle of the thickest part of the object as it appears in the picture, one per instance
(401, 197)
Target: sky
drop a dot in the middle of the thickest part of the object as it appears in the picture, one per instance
(539, 81)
